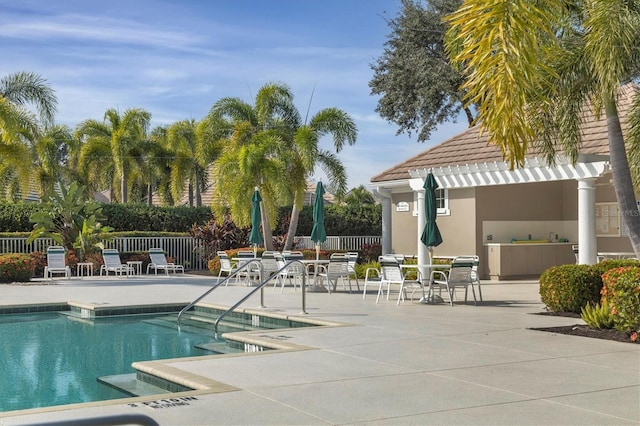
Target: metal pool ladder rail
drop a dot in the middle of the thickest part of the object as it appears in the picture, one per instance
(253, 290)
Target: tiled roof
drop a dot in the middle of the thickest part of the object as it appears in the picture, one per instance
(469, 147)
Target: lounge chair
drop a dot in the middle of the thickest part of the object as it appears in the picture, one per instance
(112, 263)
(159, 261)
(56, 263)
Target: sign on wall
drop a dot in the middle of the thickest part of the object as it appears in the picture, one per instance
(402, 206)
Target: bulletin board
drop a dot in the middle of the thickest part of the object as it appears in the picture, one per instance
(607, 220)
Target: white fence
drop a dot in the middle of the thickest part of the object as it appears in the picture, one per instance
(186, 250)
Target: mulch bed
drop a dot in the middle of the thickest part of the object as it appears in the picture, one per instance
(586, 331)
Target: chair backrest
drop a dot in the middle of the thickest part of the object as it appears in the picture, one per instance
(157, 256)
(390, 267)
(338, 264)
(269, 262)
(111, 258)
(290, 255)
(225, 263)
(353, 258)
(461, 269)
(56, 257)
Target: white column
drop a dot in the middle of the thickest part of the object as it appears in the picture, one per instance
(385, 197)
(423, 253)
(587, 242)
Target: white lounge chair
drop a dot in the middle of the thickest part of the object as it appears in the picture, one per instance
(159, 261)
(112, 263)
(56, 263)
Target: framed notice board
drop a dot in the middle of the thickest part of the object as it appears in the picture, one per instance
(607, 220)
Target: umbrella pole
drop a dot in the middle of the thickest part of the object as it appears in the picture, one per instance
(317, 251)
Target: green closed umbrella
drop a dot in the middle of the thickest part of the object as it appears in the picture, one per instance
(431, 234)
(255, 237)
(318, 233)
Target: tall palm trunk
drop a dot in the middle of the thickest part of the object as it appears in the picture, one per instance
(621, 175)
(267, 232)
(293, 227)
(123, 186)
(197, 189)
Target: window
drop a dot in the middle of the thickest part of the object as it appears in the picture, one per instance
(442, 202)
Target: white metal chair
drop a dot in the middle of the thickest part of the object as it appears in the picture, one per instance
(159, 261)
(112, 263)
(353, 261)
(252, 272)
(294, 272)
(56, 262)
(226, 265)
(371, 276)
(459, 275)
(336, 269)
(392, 274)
(269, 265)
(475, 277)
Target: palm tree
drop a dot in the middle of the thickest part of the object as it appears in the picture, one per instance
(119, 136)
(253, 146)
(532, 67)
(359, 196)
(19, 128)
(309, 155)
(157, 166)
(186, 169)
(51, 150)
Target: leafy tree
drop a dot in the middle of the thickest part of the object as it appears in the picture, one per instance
(50, 152)
(359, 196)
(71, 220)
(253, 155)
(533, 66)
(186, 169)
(114, 141)
(419, 88)
(19, 128)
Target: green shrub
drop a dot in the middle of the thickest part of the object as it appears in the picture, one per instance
(16, 268)
(568, 288)
(597, 316)
(621, 290)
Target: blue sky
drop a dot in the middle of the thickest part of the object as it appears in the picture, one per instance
(175, 59)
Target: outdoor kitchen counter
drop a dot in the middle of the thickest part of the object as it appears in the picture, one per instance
(507, 261)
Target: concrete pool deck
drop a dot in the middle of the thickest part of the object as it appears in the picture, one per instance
(385, 364)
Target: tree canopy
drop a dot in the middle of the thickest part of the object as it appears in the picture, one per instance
(418, 87)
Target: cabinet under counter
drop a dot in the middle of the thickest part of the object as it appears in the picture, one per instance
(509, 261)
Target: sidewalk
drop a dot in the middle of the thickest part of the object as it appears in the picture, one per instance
(385, 364)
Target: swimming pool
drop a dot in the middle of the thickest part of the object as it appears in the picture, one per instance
(56, 358)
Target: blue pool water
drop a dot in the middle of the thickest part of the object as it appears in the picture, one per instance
(51, 359)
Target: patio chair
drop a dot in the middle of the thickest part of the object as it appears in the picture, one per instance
(353, 261)
(159, 261)
(336, 269)
(392, 274)
(112, 263)
(56, 262)
(371, 276)
(226, 265)
(292, 273)
(269, 265)
(250, 273)
(459, 275)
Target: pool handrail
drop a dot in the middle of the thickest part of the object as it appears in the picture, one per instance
(216, 285)
(261, 288)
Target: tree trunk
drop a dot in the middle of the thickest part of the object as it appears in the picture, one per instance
(197, 189)
(293, 227)
(190, 190)
(267, 233)
(123, 186)
(621, 175)
(149, 194)
(470, 118)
